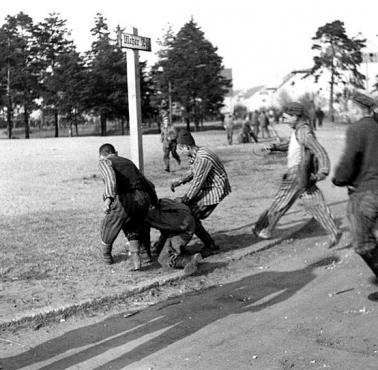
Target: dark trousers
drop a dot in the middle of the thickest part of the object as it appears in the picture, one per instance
(362, 213)
(128, 218)
(287, 194)
(172, 253)
(167, 149)
(200, 212)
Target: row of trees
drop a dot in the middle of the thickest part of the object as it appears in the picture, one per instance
(40, 68)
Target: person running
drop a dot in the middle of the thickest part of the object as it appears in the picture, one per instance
(209, 185)
(308, 163)
(358, 170)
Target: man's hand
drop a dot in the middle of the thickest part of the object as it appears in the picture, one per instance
(174, 184)
(107, 203)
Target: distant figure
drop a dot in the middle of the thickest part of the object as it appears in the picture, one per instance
(264, 123)
(319, 114)
(246, 135)
(255, 123)
(229, 127)
(312, 114)
(358, 170)
(169, 140)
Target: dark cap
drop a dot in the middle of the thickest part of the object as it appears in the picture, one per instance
(184, 137)
(363, 100)
(295, 109)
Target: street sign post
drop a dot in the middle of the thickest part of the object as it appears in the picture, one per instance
(133, 42)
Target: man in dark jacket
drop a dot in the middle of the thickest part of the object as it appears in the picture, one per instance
(127, 198)
(358, 170)
(177, 225)
(300, 179)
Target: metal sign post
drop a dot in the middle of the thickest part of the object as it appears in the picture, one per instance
(133, 43)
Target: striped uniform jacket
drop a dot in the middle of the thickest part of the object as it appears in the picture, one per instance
(208, 177)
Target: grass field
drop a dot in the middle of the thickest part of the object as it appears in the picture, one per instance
(51, 209)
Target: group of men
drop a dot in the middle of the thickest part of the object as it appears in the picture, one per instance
(131, 203)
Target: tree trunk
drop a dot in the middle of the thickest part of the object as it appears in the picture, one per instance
(332, 85)
(103, 123)
(56, 122)
(10, 121)
(26, 123)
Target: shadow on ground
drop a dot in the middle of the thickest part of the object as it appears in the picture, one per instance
(144, 333)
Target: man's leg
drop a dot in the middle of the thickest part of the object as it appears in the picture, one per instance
(364, 210)
(172, 255)
(166, 151)
(110, 228)
(200, 212)
(283, 200)
(173, 147)
(315, 204)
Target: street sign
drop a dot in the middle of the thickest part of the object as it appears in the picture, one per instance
(129, 41)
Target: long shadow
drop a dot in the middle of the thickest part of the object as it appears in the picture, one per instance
(176, 319)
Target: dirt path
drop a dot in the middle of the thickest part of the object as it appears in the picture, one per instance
(295, 306)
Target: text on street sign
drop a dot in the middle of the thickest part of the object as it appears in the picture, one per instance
(135, 42)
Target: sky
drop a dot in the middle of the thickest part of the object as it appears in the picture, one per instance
(261, 41)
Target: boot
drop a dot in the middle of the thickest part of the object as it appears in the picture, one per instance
(134, 254)
(106, 250)
(209, 250)
(192, 266)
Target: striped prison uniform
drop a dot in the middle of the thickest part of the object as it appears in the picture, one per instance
(131, 195)
(209, 185)
(292, 188)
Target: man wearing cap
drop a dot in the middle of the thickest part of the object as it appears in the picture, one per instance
(168, 138)
(358, 170)
(307, 163)
(209, 185)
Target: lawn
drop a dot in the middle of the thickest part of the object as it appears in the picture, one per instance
(51, 209)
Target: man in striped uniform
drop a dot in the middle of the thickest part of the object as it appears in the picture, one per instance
(127, 198)
(358, 170)
(209, 185)
(308, 163)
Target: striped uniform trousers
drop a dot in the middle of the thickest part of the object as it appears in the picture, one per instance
(287, 194)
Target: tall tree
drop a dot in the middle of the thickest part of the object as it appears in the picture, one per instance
(70, 81)
(106, 88)
(53, 40)
(21, 69)
(338, 54)
(194, 70)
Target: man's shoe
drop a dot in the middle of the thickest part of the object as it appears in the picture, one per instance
(334, 240)
(192, 266)
(209, 250)
(167, 170)
(264, 234)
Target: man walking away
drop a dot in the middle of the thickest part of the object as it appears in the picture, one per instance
(308, 163)
(358, 170)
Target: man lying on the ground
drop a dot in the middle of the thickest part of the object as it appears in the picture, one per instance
(177, 225)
